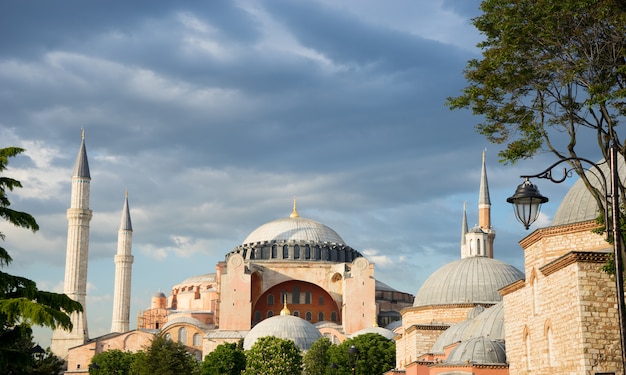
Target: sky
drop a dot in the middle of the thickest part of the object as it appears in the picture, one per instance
(214, 115)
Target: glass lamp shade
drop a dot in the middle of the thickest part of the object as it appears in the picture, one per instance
(527, 203)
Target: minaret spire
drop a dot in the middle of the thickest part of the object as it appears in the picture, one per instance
(75, 284)
(464, 231)
(484, 208)
(123, 272)
(294, 213)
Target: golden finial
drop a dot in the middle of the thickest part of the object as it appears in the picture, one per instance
(82, 130)
(126, 193)
(285, 310)
(294, 213)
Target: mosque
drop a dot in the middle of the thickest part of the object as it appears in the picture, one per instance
(297, 278)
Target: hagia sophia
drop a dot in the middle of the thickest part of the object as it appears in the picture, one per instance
(296, 278)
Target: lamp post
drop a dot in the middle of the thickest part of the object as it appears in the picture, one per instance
(527, 202)
(333, 368)
(353, 357)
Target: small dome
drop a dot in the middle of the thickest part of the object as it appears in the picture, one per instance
(384, 332)
(159, 295)
(477, 310)
(289, 327)
(293, 228)
(578, 204)
(393, 325)
(474, 279)
(479, 350)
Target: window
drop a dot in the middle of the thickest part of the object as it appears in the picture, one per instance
(320, 317)
(333, 316)
(285, 252)
(283, 296)
(308, 316)
(257, 316)
(197, 339)
(168, 337)
(296, 252)
(274, 252)
(182, 335)
(307, 252)
(270, 299)
(270, 314)
(307, 297)
(296, 313)
(321, 300)
(295, 294)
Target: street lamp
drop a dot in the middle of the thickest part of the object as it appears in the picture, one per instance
(353, 357)
(333, 368)
(527, 202)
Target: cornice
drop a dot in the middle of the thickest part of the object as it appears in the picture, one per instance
(557, 230)
(516, 285)
(574, 257)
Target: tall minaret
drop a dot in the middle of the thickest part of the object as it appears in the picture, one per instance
(75, 285)
(123, 271)
(484, 209)
(464, 247)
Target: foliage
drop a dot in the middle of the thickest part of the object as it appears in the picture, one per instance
(21, 303)
(552, 73)
(316, 360)
(112, 362)
(226, 359)
(164, 357)
(273, 356)
(377, 355)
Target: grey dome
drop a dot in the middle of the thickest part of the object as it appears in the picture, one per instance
(289, 327)
(578, 204)
(489, 324)
(159, 295)
(479, 350)
(474, 279)
(384, 332)
(293, 228)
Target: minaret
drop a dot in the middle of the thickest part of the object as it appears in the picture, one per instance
(464, 250)
(75, 285)
(123, 272)
(484, 209)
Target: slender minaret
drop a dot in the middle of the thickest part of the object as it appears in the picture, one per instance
(484, 209)
(464, 249)
(75, 285)
(123, 272)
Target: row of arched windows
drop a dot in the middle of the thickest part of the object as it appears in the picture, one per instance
(295, 297)
(550, 355)
(307, 315)
(182, 337)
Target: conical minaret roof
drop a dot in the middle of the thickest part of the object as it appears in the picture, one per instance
(464, 224)
(81, 168)
(126, 224)
(483, 195)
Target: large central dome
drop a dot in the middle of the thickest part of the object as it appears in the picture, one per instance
(293, 228)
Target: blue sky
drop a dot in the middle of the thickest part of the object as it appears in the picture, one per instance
(214, 115)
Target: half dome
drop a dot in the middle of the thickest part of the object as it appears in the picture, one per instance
(479, 350)
(289, 327)
(293, 228)
(474, 279)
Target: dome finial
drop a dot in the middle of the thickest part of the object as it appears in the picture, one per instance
(294, 213)
(285, 310)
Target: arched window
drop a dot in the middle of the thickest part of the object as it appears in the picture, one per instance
(321, 300)
(478, 249)
(333, 316)
(270, 314)
(318, 252)
(308, 316)
(285, 252)
(307, 252)
(168, 337)
(182, 335)
(550, 341)
(270, 299)
(197, 339)
(320, 317)
(535, 291)
(274, 252)
(296, 313)
(307, 297)
(296, 252)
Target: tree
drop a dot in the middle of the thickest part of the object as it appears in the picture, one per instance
(112, 362)
(273, 356)
(226, 359)
(377, 354)
(316, 360)
(552, 73)
(21, 303)
(164, 357)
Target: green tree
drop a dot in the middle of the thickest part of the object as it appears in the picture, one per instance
(21, 303)
(316, 360)
(273, 356)
(377, 355)
(226, 359)
(164, 357)
(112, 362)
(48, 364)
(552, 73)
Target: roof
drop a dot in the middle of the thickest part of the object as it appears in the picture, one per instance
(293, 228)
(578, 204)
(81, 168)
(475, 279)
(289, 327)
(384, 332)
(479, 350)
